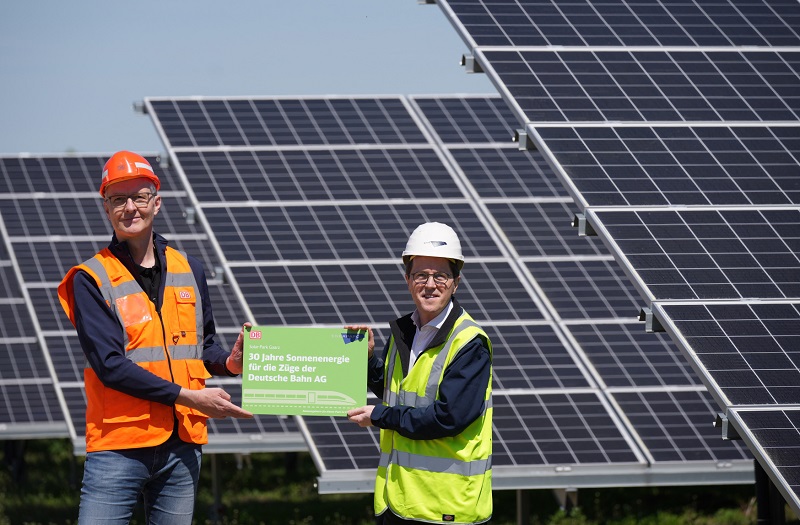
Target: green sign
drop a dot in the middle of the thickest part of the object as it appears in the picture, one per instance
(304, 371)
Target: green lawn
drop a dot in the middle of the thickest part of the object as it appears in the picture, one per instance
(279, 489)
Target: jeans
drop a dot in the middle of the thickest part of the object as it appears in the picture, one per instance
(166, 476)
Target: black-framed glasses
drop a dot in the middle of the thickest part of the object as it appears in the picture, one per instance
(438, 277)
(140, 200)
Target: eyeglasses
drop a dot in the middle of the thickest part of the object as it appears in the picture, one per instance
(140, 200)
(438, 277)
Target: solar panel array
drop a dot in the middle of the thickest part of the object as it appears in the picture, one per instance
(53, 219)
(675, 128)
(309, 202)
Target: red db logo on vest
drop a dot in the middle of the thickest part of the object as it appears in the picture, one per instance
(255, 334)
(183, 294)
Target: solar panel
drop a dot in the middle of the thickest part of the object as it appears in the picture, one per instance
(521, 23)
(734, 253)
(677, 426)
(279, 175)
(309, 121)
(649, 85)
(533, 356)
(656, 166)
(468, 120)
(674, 129)
(774, 433)
(337, 232)
(310, 232)
(539, 229)
(586, 289)
(26, 407)
(746, 351)
(624, 356)
(505, 174)
(46, 241)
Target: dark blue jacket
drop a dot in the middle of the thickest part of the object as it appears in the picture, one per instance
(100, 333)
(461, 392)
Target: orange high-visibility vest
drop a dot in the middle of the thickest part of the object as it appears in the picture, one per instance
(169, 345)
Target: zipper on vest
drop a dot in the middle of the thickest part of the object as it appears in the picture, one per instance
(166, 346)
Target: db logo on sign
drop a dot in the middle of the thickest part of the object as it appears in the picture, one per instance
(185, 295)
(255, 334)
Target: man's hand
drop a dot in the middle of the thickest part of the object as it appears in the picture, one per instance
(361, 415)
(235, 361)
(370, 336)
(213, 402)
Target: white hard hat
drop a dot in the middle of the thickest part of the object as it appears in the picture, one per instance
(434, 239)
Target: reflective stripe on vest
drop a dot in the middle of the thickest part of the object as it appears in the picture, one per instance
(410, 398)
(407, 398)
(431, 464)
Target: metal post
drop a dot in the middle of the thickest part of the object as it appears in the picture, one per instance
(769, 501)
(567, 499)
(523, 507)
(777, 505)
(215, 512)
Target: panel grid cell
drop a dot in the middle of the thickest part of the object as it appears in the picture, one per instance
(651, 86)
(372, 293)
(619, 166)
(775, 435)
(625, 23)
(749, 351)
(28, 403)
(586, 289)
(543, 229)
(347, 232)
(64, 174)
(531, 357)
(714, 254)
(556, 429)
(472, 120)
(317, 175)
(625, 356)
(677, 426)
(285, 122)
(498, 173)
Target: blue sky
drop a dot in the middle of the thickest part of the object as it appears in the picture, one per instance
(71, 70)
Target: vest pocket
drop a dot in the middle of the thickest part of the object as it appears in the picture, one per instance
(134, 309)
(184, 323)
(197, 373)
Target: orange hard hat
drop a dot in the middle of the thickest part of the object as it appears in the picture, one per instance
(124, 165)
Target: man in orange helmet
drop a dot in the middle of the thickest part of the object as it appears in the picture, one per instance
(143, 317)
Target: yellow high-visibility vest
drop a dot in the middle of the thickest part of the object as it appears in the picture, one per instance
(444, 480)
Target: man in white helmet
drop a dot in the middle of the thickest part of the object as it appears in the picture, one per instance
(435, 380)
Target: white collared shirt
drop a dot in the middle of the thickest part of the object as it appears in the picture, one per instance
(425, 334)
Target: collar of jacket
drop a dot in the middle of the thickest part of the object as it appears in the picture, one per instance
(404, 330)
(120, 251)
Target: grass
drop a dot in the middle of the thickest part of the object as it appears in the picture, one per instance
(279, 489)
